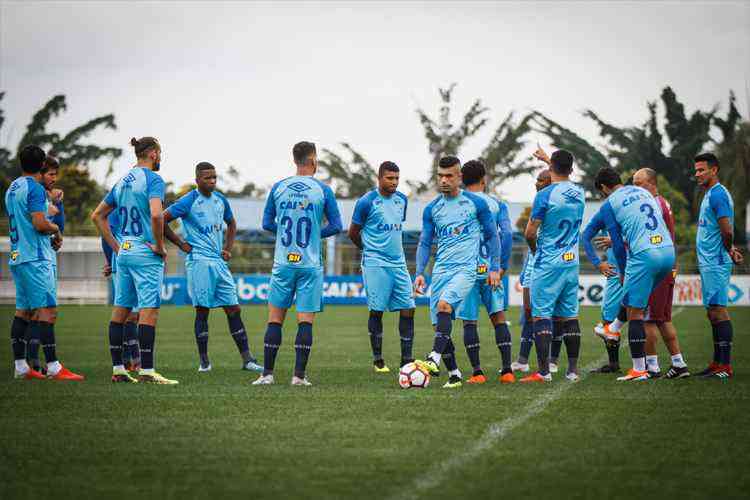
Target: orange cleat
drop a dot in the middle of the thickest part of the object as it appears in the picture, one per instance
(634, 375)
(65, 374)
(477, 379)
(605, 333)
(508, 378)
(723, 371)
(31, 374)
(536, 378)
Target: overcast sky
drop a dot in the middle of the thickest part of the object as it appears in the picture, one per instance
(239, 83)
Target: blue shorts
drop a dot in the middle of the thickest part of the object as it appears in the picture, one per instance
(302, 286)
(452, 288)
(526, 273)
(36, 284)
(388, 288)
(554, 292)
(114, 283)
(643, 272)
(482, 294)
(612, 299)
(715, 284)
(210, 284)
(138, 282)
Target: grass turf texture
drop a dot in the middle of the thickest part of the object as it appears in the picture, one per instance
(356, 433)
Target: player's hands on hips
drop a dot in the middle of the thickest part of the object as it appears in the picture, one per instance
(186, 247)
(736, 255)
(160, 251)
(607, 269)
(226, 255)
(419, 285)
(106, 270)
(57, 240)
(494, 278)
(602, 242)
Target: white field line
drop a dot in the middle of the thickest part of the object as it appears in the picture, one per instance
(495, 432)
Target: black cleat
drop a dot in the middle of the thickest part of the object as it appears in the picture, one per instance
(677, 372)
(654, 374)
(380, 364)
(606, 369)
(709, 371)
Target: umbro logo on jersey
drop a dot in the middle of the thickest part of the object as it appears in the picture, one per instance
(298, 187)
(571, 195)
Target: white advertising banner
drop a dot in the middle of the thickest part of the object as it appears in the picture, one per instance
(687, 290)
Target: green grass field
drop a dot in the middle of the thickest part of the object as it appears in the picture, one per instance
(355, 433)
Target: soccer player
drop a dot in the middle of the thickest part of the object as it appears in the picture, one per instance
(474, 178)
(716, 254)
(659, 312)
(31, 264)
(138, 198)
(457, 219)
(377, 229)
(205, 214)
(131, 353)
(632, 216)
(543, 179)
(294, 213)
(552, 234)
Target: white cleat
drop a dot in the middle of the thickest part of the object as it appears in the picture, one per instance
(599, 331)
(572, 376)
(519, 367)
(202, 369)
(553, 368)
(300, 381)
(264, 380)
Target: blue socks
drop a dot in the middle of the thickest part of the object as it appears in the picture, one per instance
(375, 329)
(471, 341)
(406, 333)
(271, 343)
(302, 346)
(18, 337)
(571, 331)
(147, 335)
(637, 339)
(504, 343)
(443, 332)
(557, 340)
(131, 351)
(47, 338)
(724, 336)
(33, 339)
(115, 342)
(527, 340)
(542, 338)
(201, 336)
(239, 335)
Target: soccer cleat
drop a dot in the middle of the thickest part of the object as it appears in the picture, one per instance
(519, 367)
(122, 375)
(724, 372)
(252, 366)
(553, 368)
(477, 378)
(677, 372)
(536, 377)
(133, 366)
(300, 381)
(380, 367)
(606, 369)
(204, 368)
(454, 382)
(507, 378)
(65, 374)
(29, 374)
(634, 375)
(264, 380)
(430, 366)
(602, 331)
(572, 376)
(710, 370)
(652, 374)
(155, 378)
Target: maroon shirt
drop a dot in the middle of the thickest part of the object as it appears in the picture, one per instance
(666, 212)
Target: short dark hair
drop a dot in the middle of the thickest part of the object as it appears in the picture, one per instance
(32, 159)
(472, 172)
(709, 158)
(143, 145)
(449, 161)
(50, 163)
(204, 165)
(302, 151)
(387, 166)
(607, 176)
(561, 162)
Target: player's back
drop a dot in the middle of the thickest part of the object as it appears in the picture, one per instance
(560, 208)
(483, 261)
(457, 229)
(640, 219)
(24, 197)
(716, 203)
(130, 198)
(298, 205)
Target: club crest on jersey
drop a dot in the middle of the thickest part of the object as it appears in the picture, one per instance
(656, 239)
(298, 187)
(568, 256)
(293, 257)
(481, 268)
(14, 255)
(126, 245)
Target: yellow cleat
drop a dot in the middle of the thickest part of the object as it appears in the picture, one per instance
(384, 369)
(453, 382)
(122, 376)
(428, 365)
(155, 378)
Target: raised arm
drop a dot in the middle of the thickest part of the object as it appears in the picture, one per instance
(331, 209)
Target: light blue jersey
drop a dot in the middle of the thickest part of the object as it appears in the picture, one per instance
(24, 197)
(717, 203)
(294, 213)
(596, 226)
(560, 208)
(204, 220)
(457, 223)
(381, 219)
(130, 198)
(499, 210)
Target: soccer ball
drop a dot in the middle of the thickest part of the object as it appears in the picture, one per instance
(412, 376)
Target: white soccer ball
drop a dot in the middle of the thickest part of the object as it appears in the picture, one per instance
(411, 376)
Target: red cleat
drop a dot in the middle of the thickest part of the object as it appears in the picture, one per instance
(536, 378)
(65, 374)
(723, 371)
(30, 375)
